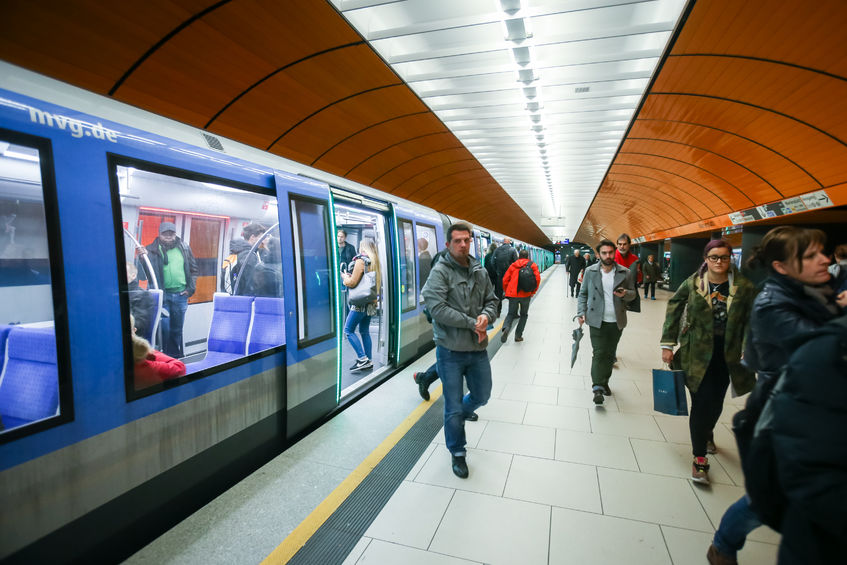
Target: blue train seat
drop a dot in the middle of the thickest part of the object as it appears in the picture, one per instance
(29, 384)
(268, 327)
(231, 317)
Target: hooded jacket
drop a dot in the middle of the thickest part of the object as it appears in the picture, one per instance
(455, 296)
(156, 254)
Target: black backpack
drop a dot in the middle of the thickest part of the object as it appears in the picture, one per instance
(526, 278)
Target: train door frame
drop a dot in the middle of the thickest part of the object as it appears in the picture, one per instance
(390, 285)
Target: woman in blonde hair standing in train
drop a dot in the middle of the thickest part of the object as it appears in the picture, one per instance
(365, 263)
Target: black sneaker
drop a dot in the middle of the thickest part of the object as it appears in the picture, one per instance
(460, 466)
(472, 417)
(606, 390)
(518, 339)
(362, 364)
(598, 396)
(423, 390)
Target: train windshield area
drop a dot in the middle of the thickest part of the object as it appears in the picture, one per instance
(203, 274)
(362, 239)
(29, 376)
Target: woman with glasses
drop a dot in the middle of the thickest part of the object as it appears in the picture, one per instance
(708, 316)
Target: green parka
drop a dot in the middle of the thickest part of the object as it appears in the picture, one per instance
(696, 341)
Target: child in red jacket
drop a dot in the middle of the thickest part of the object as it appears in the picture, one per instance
(518, 297)
(151, 366)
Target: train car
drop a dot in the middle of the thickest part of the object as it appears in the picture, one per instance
(173, 312)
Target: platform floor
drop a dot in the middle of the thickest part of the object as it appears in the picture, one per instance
(553, 479)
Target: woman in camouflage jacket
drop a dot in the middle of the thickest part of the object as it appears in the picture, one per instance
(716, 302)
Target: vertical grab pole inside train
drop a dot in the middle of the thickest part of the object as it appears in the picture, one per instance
(250, 254)
(149, 266)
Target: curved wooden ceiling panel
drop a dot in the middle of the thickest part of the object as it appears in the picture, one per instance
(290, 77)
(747, 109)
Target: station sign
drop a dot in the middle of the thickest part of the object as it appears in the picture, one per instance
(803, 203)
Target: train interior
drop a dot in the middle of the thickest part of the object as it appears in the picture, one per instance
(360, 223)
(239, 280)
(29, 378)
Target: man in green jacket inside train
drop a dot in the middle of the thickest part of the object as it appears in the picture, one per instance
(460, 297)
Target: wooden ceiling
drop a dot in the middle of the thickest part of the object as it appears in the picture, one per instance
(290, 77)
(748, 108)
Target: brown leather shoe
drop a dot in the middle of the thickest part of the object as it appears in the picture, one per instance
(715, 557)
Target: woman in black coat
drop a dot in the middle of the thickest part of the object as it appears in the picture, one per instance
(798, 296)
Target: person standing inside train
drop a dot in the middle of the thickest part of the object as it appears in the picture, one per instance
(460, 297)
(717, 301)
(606, 288)
(367, 261)
(176, 272)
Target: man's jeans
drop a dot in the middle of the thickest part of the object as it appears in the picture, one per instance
(176, 304)
(476, 369)
(737, 522)
(604, 342)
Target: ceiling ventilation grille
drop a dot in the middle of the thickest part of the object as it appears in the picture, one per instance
(213, 142)
(581, 89)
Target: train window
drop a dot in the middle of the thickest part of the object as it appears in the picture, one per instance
(203, 277)
(427, 248)
(408, 294)
(313, 266)
(32, 393)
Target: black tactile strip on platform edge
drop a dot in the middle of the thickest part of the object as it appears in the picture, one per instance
(337, 537)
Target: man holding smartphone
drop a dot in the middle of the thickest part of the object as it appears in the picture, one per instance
(606, 288)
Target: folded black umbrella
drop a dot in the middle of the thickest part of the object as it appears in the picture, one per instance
(577, 335)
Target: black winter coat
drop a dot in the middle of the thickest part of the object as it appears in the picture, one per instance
(504, 256)
(156, 255)
(809, 423)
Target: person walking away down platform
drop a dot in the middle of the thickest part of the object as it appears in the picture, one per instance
(797, 297)
(460, 297)
(716, 302)
(574, 266)
(504, 256)
(652, 274)
(606, 288)
(519, 297)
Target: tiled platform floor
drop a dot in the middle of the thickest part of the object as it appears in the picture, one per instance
(552, 478)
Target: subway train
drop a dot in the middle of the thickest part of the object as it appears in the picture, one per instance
(227, 257)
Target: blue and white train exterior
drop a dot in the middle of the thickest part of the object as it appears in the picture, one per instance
(106, 457)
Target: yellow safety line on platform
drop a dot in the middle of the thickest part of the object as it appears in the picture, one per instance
(307, 528)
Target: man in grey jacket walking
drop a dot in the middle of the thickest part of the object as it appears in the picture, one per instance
(461, 300)
(606, 288)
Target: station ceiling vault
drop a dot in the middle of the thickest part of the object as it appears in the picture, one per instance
(525, 116)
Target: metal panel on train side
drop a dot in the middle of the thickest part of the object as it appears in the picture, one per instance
(313, 365)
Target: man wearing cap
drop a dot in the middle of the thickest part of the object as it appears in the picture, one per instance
(176, 272)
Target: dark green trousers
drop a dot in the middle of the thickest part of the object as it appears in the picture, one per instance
(604, 342)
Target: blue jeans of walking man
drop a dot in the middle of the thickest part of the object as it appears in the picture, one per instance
(476, 370)
(737, 522)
